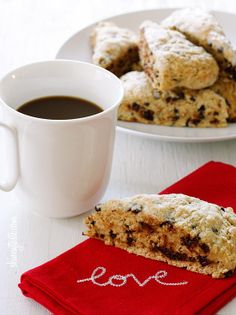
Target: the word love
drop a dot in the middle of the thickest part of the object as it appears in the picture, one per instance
(121, 280)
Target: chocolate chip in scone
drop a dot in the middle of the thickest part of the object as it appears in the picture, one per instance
(148, 114)
(180, 256)
(205, 248)
(215, 113)
(93, 222)
(203, 260)
(190, 242)
(176, 111)
(146, 103)
(228, 273)
(214, 121)
(147, 227)
(130, 240)
(187, 122)
(129, 231)
(222, 209)
(135, 107)
(176, 114)
(136, 208)
(98, 207)
(168, 223)
(195, 121)
(214, 230)
(172, 254)
(180, 95)
(112, 234)
(192, 98)
(101, 235)
(231, 71)
(228, 103)
(201, 111)
(209, 44)
(175, 118)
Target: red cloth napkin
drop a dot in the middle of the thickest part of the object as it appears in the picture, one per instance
(173, 290)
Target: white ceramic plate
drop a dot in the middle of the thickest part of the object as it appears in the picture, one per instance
(77, 48)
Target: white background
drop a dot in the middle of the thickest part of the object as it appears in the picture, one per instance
(33, 30)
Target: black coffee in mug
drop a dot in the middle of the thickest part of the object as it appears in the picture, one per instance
(59, 107)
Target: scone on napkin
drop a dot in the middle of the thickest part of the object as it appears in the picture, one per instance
(175, 228)
(96, 279)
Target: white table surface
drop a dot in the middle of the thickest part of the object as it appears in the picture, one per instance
(34, 30)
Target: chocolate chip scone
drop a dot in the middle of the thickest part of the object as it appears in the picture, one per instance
(172, 61)
(202, 28)
(114, 48)
(141, 103)
(227, 89)
(180, 230)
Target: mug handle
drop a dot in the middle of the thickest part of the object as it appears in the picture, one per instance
(13, 151)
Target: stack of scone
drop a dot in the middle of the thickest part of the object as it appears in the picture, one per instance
(179, 73)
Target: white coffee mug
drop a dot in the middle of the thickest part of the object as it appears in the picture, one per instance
(58, 168)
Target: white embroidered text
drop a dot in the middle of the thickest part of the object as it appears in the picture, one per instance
(121, 280)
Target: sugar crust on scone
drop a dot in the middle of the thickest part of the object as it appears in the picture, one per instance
(181, 230)
(171, 61)
(202, 28)
(114, 48)
(141, 103)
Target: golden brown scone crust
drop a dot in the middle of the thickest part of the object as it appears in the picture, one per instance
(181, 230)
(142, 104)
(171, 61)
(114, 48)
